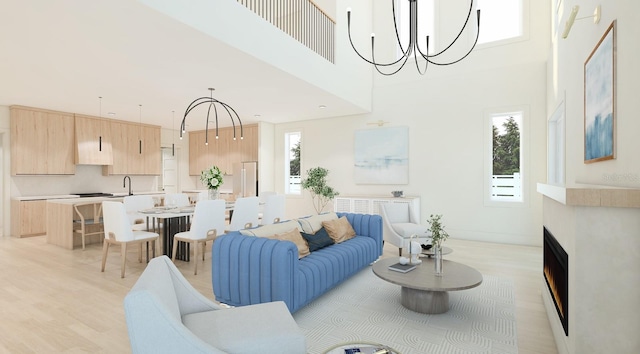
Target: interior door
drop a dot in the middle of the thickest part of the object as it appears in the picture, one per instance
(169, 171)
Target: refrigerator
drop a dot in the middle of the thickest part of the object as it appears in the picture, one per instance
(245, 179)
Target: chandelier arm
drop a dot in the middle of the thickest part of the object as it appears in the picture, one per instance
(239, 121)
(464, 56)
(459, 33)
(227, 107)
(372, 45)
(406, 57)
(215, 109)
(206, 127)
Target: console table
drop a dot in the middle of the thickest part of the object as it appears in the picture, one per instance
(370, 204)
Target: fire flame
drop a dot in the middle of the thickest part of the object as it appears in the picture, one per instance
(554, 290)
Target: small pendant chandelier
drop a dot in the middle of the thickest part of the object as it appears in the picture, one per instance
(213, 103)
(413, 47)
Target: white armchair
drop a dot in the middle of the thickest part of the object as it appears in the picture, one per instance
(165, 314)
(400, 222)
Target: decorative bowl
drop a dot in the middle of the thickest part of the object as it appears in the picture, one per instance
(397, 194)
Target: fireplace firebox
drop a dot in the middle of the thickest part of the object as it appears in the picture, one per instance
(556, 274)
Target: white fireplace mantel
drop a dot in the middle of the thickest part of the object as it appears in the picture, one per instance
(592, 195)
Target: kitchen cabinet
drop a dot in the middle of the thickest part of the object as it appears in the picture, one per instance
(42, 142)
(93, 141)
(28, 217)
(223, 152)
(136, 149)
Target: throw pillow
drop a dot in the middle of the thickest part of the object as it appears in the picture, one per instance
(311, 224)
(295, 237)
(318, 240)
(272, 229)
(339, 230)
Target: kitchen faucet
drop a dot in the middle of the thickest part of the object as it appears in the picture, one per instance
(124, 184)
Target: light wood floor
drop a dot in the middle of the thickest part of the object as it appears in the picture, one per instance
(54, 300)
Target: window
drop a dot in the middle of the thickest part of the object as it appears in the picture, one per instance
(505, 166)
(292, 163)
(500, 20)
(426, 21)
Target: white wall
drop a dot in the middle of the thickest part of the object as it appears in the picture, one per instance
(566, 77)
(444, 113)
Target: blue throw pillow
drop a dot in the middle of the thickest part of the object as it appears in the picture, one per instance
(318, 240)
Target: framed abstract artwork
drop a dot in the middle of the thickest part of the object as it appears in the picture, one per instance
(382, 156)
(599, 99)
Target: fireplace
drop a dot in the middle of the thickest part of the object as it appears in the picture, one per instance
(556, 274)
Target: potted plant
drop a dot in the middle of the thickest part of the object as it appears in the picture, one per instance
(316, 183)
(212, 179)
(438, 236)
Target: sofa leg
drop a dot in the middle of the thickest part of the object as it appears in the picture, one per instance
(400, 252)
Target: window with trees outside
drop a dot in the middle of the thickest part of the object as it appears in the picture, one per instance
(292, 163)
(506, 157)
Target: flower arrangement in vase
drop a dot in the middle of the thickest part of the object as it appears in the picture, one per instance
(438, 236)
(212, 179)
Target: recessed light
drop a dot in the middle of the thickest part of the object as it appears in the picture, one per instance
(257, 115)
(322, 106)
(111, 114)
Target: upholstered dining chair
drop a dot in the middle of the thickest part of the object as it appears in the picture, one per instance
(245, 213)
(117, 231)
(400, 222)
(273, 209)
(207, 223)
(133, 204)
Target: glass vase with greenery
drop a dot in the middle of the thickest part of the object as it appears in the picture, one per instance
(316, 183)
(438, 234)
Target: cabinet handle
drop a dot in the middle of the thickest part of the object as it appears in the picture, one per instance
(100, 144)
(140, 143)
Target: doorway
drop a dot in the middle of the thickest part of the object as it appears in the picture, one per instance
(170, 170)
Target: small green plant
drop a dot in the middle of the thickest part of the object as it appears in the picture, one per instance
(316, 183)
(438, 235)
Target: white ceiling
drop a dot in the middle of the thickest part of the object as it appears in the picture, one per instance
(64, 54)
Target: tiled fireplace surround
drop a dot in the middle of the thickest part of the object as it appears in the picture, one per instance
(599, 228)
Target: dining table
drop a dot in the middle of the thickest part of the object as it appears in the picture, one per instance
(168, 221)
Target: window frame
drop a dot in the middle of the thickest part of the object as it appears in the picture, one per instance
(488, 116)
(287, 161)
(524, 36)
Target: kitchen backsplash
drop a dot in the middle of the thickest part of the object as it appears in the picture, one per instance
(87, 179)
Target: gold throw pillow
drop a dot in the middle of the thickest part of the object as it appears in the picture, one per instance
(295, 237)
(339, 230)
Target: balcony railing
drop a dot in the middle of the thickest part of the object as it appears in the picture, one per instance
(302, 20)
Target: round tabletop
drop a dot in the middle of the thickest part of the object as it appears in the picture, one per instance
(429, 252)
(456, 276)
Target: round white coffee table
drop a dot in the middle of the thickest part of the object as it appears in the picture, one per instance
(422, 291)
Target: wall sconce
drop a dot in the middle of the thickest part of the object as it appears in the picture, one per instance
(572, 18)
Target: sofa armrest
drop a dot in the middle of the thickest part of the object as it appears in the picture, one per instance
(366, 225)
(249, 270)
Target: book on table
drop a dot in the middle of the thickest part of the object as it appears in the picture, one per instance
(402, 268)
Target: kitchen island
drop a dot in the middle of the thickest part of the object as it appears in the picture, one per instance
(61, 216)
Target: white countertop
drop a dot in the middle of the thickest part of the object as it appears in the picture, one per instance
(74, 196)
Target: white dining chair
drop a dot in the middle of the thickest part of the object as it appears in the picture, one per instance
(208, 222)
(117, 231)
(273, 209)
(245, 213)
(133, 204)
(176, 200)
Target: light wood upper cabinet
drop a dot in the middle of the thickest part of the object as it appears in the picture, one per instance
(42, 142)
(136, 149)
(93, 141)
(223, 152)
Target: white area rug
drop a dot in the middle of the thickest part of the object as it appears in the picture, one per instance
(367, 308)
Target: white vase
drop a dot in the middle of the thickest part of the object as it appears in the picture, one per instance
(213, 194)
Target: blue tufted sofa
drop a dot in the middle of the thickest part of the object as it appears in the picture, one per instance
(250, 270)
